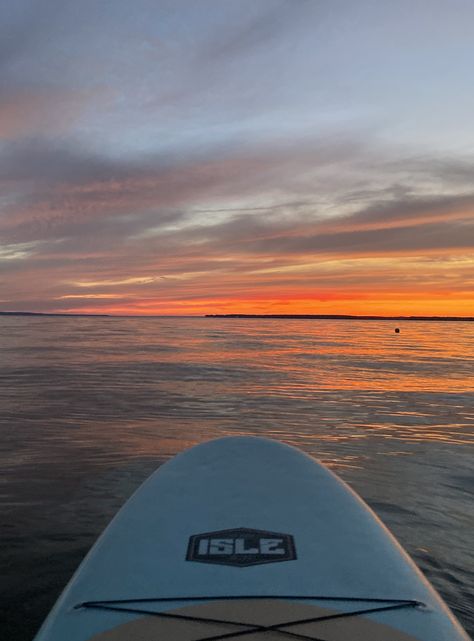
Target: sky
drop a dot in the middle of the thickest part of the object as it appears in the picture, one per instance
(237, 156)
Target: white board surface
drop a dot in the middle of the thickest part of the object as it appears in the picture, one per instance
(246, 516)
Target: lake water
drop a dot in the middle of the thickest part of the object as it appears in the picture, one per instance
(89, 407)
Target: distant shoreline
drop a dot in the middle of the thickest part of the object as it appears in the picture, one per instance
(256, 316)
(344, 317)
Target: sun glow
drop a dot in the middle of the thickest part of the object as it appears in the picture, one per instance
(429, 285)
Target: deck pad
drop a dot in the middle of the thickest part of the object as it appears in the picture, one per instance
(245, 615)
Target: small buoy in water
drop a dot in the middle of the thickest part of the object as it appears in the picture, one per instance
(397, 330)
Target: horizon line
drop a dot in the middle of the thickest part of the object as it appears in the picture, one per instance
(416, 317)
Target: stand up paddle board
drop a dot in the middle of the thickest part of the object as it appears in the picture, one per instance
(247, 537)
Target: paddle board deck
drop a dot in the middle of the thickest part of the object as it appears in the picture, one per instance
(247, 537)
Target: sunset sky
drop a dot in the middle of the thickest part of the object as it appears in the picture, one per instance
(219, 156)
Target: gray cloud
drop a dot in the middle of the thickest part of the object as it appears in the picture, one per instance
(25, 26)
(279, 237)
(411, 206)
(255, 32)
(63, 192)
(42, 161)
(53, 188)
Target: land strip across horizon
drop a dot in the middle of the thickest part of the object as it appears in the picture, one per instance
(342, 317)
(253, 316)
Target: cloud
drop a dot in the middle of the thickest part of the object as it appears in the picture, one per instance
(38, 160)
(293, 244)
(26, 112)
(409, 210)
(85, 230)
(42, 89)
(158, 201)
(22, 34)
(56, 188)
(237, 67)
(258, 30)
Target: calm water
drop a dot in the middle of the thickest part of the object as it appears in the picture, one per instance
(90, 407)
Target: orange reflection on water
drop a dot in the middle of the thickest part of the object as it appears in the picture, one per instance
(160, 384)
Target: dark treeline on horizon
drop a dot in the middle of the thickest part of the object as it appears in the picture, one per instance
(255, 316)
(343, 317)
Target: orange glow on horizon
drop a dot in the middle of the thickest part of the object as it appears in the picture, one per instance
(394, 304)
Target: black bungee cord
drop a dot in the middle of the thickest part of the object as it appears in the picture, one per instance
(119, 605)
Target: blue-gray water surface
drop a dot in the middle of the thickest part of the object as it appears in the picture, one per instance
(89, 407)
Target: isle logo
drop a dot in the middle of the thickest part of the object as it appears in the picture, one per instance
(241, 547)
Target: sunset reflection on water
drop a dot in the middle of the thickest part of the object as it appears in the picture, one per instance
(90, 407)
(151, 381)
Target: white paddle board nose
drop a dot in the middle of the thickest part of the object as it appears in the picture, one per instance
(244, 520)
